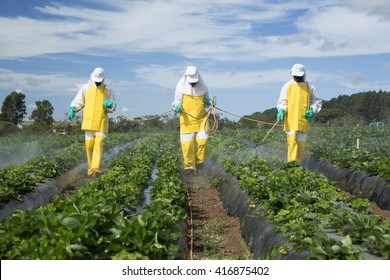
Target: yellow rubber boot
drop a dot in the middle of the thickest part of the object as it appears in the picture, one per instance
(201, 151)
(188, 150)
(97, 155)
(301, 150)
(89, 148)
(292, 147)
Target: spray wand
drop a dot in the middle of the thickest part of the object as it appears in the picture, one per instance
(54, 127)
(269, 132)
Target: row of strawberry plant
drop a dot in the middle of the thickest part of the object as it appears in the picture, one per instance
(304, 206)
(99, 220)
(166, 213)
(19, 180)
(16, 180)
(362, 148)
(89, 223)
(337, 146)
(375, 164)
(18, 150)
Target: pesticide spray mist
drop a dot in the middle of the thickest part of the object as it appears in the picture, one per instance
(19, 155)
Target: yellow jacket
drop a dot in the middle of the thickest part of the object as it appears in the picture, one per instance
(295, 99)
(91, 99)
(193, 116)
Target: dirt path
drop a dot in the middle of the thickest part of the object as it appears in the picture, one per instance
(378, 211)
(214, 234)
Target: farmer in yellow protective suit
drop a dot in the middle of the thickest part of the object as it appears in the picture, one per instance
(97, 100)
(298, 102)
(191, 98)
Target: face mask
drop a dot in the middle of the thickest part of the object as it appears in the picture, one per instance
(98, 84)
(298, 79)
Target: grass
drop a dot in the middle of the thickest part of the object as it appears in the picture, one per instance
(212, 236)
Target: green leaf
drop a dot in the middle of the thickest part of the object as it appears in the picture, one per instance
(319, 249)
(336, 249)
(307, 240)
(347, 241)
(140, 220)
(71, 222)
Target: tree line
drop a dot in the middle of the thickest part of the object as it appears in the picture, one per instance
(13, 112)
(361, 108)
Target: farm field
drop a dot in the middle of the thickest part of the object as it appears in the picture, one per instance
(337, 146)
(139, 208)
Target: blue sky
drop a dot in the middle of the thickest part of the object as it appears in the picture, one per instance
(244, 49)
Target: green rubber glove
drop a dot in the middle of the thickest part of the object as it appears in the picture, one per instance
(178, 108)
(71, 113)
(280, 116)
(208, 101)
(108, 104)
(309, 113)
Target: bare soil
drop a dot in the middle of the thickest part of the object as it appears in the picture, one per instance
(212, 234)
(378, 211)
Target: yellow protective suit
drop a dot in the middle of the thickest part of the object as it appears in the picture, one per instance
(190, 93)
(298, 101)
(193, 127)
(296, 97)
(94, 149)
(194, 116)
(295, 148)
(94, 121)
(91, 97)
(95, 115)
(297, 104)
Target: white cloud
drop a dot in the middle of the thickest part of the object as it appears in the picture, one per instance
(215, 30)
(340, 30)
(42, 84)
(356, 79)
(379, 7)
(167, 77)
(235, 43)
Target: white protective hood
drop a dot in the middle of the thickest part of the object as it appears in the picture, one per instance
(183, 87)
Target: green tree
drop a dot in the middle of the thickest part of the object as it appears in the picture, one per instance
(225, 123)
(7, 128)
(268, 116)
(359, 108)
(14, 108)
(43, 113)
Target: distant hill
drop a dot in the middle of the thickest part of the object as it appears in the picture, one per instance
(359, 108)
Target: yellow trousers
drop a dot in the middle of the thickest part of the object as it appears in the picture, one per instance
(94, 148)
(295, 149)
(194, 152)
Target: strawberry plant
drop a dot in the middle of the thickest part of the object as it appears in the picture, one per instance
(304, 206)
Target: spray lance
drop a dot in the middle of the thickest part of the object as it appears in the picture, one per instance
(265, 137)
(54, 127)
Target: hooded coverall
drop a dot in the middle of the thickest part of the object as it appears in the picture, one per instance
(94, 121)
(295, 99)
(193, 121)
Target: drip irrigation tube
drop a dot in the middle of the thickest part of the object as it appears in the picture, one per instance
(190, 228)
